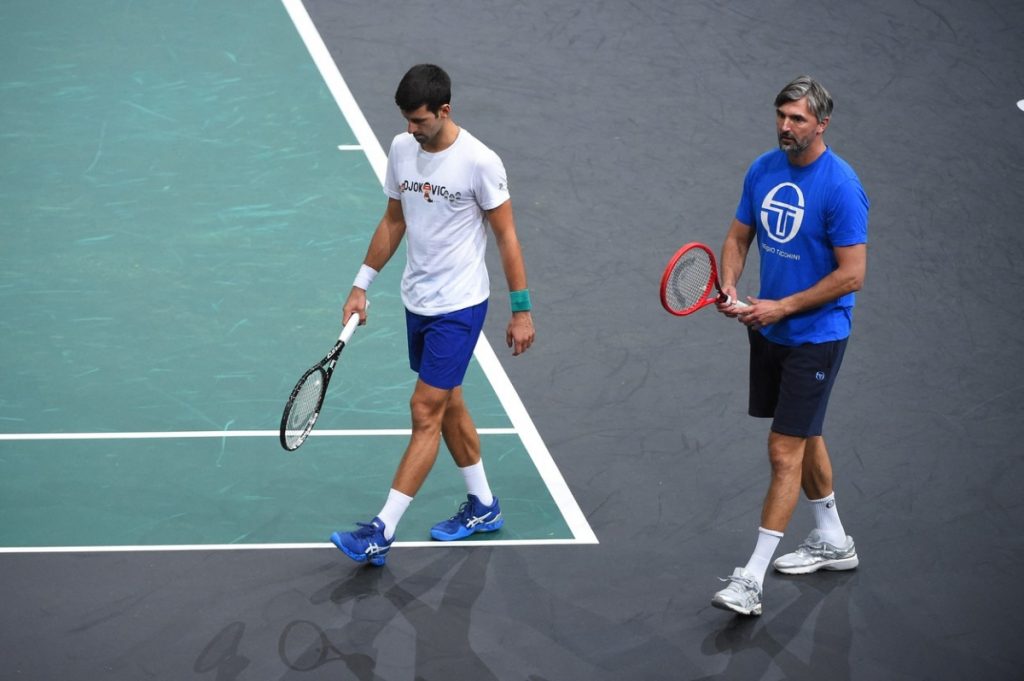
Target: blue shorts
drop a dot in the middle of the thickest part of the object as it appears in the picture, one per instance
(792, 384)
(440, 347)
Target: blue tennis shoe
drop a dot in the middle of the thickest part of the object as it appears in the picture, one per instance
(471, 518)
(365, 544)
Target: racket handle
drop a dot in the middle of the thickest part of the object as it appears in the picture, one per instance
(350, 325)
(737, 302)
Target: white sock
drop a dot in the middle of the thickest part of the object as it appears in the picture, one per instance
(476, 483)
(826, 520)
(394, 509)
(767, 542)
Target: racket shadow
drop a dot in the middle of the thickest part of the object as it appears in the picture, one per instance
(374, 604)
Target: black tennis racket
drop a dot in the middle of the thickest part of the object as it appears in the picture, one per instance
(303, 408)
(690, 276)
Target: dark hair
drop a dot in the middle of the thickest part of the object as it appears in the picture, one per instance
(424, 84)
(819, 101)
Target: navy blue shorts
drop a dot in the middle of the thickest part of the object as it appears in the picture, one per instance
(440, 347)
(792, 384)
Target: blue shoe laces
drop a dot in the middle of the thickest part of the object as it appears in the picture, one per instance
(465, 510)
(367, 530)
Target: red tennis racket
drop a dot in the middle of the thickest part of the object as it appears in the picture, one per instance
(690, 276)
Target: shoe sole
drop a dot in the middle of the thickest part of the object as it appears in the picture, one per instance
(464, 532)
(750, 612)
(357, 557)
(834, 565)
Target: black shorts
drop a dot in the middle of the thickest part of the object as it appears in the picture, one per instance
(792, 384)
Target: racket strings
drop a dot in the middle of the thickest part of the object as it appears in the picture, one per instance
(304, 407)
(690, 280)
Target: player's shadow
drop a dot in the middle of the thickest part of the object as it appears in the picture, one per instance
(825, 594)
(374, 606)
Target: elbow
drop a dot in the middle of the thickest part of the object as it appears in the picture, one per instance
(854, 282)
(850, 277)
(852, 266)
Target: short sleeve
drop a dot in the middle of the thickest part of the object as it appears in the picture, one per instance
(490, 181)
(744, 210)
(391, 186)
(848, 214)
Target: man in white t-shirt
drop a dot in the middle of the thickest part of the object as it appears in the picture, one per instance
(444, 187)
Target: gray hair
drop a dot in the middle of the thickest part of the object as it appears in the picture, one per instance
(819, 101)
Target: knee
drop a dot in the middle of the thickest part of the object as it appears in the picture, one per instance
(426, 413)
(785, 460)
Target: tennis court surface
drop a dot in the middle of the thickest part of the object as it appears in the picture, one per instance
(187, 190)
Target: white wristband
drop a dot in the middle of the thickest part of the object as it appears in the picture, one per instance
(365, 277)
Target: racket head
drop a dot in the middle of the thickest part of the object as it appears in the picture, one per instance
(303, 407)
(307, 397)
(688, 279)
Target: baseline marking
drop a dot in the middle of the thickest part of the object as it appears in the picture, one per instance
(172, 435)
(267, 547)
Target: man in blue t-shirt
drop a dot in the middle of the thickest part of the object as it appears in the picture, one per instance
(807, 212)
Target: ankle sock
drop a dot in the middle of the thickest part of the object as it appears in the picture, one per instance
(476, 483)
(767, 542)
(826, 520)
(394, 509)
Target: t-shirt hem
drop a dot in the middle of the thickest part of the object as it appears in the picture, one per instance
(444, 309)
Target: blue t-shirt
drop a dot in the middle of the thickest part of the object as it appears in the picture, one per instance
(801, 214)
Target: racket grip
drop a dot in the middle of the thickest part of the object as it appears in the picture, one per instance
(737, 302)
(350, 325)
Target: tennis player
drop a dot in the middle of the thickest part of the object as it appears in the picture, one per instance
(444, 187)
(808, 213)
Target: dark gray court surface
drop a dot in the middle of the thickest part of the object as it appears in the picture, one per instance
(626, 128)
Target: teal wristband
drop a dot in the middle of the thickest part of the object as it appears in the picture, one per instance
(520, 300)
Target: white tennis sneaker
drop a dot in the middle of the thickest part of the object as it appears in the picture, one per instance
(743, 595)
(817, 554)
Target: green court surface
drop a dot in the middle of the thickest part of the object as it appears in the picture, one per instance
(183, 208)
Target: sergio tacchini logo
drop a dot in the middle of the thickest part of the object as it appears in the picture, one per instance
(782, 212)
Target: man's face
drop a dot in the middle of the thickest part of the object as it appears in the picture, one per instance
(796, 126)
(425, 125)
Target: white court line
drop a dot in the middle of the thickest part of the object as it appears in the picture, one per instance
(268, 547)
(521, 420)
(338, 87)
(185, 434)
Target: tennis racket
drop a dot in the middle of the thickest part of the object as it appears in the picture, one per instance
(303, 408)
(690, 276)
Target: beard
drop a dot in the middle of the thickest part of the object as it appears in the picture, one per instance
(791, 144)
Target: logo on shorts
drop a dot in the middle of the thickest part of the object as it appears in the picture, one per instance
(782, 212)
(820, 376)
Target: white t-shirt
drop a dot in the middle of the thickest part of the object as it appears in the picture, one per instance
(444, 196)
